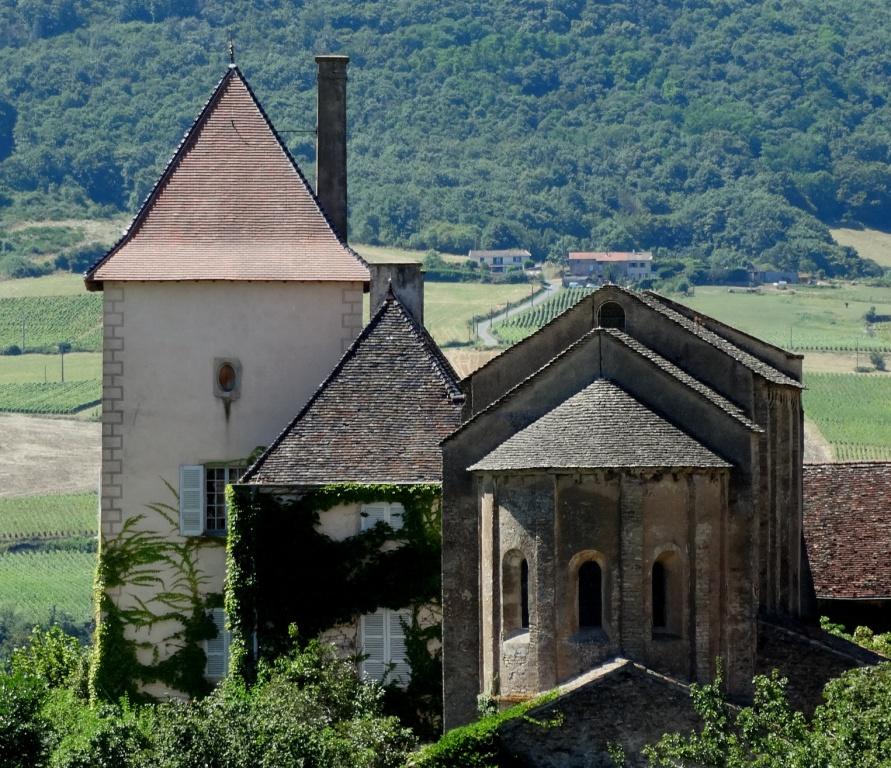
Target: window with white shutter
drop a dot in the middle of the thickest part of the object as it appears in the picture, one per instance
(216, 649)
(191, 500)
(391, 513)
(383, 646)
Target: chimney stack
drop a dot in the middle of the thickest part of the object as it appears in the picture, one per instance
(331, 173)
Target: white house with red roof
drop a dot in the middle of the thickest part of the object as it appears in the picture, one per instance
(226, 302)
(616, 266)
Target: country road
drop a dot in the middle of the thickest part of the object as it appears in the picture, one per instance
(482, 328)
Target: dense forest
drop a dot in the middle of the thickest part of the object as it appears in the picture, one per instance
(720, 132)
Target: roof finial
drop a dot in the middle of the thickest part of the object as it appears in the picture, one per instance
(231, 54)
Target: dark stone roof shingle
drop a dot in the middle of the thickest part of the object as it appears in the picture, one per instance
(601, 426)
(378, 418)
(847, 528)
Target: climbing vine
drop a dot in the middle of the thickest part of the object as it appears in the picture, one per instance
(282, 570)
(166, 566)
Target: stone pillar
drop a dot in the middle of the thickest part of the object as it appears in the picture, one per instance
(490, 587)
(405, 280)
(632, 619)
(331, 138)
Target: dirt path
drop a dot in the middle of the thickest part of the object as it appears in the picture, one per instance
(39, 455)
(483, 326)
(816, 448)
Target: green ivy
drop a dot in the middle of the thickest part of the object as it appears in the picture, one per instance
(282, 570)
(169, 565)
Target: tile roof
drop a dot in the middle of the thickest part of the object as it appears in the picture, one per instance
(601, 426)
(379, 416)
(610, 256)
(847, 528)
(704, 390)
(231, 205)
(751, 362)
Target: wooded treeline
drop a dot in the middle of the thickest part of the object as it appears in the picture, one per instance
(720, 132)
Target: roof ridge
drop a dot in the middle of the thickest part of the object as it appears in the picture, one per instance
(454, 391)
(188, 140)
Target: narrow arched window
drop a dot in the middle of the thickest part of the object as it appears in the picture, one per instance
(611, 315)
(524, 595)
(514, 593)
(590, 595)
(660, 596)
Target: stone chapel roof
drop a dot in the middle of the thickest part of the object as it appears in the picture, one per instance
(378, 417)
(231, 205)
(600, 427)
(847, 529)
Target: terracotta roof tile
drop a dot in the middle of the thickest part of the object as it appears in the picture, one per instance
(847, 528)
(601, 426)
(231, 205)
(379, 417)
(610, 256)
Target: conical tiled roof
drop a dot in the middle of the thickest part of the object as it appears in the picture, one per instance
(231, 205)
(378, 418)
(600, 427)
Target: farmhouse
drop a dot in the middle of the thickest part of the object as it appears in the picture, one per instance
(501, 261)
(610, 265)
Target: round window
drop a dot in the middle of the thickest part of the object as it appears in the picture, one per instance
(226, 377)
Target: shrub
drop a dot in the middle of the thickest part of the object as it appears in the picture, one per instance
(12, 349)
(22, 727)
(877, 359)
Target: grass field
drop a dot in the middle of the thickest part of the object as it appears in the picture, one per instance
(49, 285)
(27, 517)
(853, 412)
(869, 243)
(52, 398)
(38, 584)
(448, 307)
(18, 369)
(804, 318)
(51, 319)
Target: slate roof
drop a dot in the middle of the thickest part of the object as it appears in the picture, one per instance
(751, 362)
(847, 528)
(231, 205)
(600, 427)
(378, 417)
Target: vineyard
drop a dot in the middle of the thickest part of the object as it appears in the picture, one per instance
(44, 517)
(51, 319)
(50, 398)
(38, 585)
(853, 412)
(523, 324)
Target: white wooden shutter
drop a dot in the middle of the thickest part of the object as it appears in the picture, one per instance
(397, 512)
(373, 626)
(191, 500)
(400, 671)
(371, 514)
(217, 648)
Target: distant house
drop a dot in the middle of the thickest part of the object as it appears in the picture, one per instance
(501, 261)
(757, 276)
(616, 265)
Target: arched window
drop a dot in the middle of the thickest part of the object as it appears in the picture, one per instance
(611, 315)
(660, 596)
(590, 595)
(514, 593)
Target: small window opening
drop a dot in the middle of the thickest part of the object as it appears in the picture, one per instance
(514, 594)
(590, 595)
(660, 588)
(524, 595)
(611, 315)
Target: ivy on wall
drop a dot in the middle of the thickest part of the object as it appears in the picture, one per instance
(166, 565)
(282, 570)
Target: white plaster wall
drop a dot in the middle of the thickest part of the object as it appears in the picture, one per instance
(158, 389)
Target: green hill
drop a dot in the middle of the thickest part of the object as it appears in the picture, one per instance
(720, 132)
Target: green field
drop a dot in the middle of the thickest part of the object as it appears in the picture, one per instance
(52, 398)
(853, 412)
(448, 307)
(49, 285)
(18, 369)
(38, 585)
(518, 327)
(51, 319)
(803, 318)
(869, 243)
(29, 517)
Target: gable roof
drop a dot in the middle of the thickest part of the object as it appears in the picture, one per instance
(847, 529)
(610, 256)
(231, 205)
(378, 417)
(600, 427)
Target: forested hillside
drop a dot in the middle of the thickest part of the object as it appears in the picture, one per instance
(722, 132)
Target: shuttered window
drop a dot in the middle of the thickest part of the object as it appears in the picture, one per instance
(191, 500)
(216, 649)
(389, 512)
(202, 498)
(383, 646)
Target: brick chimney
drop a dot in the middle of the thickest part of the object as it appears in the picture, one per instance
(331, 172)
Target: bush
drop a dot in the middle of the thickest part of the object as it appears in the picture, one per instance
(23, 730)
(877, 359)
(12, 349)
